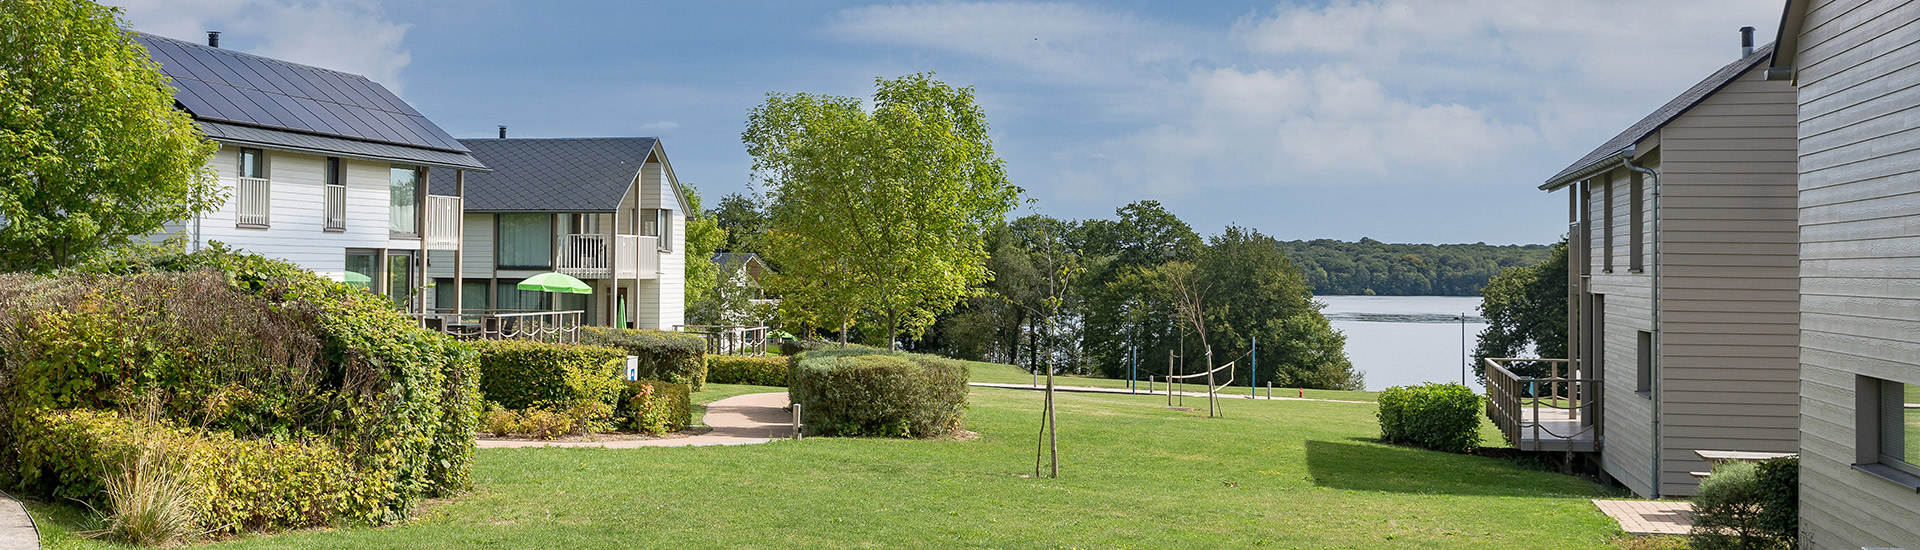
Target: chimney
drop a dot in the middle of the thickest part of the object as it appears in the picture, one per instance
(213, 38)
(1746, 41)
(503, 131)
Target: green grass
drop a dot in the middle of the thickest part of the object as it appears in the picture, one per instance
(1284, 474)
(997, 373)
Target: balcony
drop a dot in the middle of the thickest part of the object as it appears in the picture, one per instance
(606, 256)
(443, 223)
(1560, 412)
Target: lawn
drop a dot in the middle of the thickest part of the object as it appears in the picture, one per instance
(1284, 474)
(1008, 374)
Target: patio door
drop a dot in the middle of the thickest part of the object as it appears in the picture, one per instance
(400, 277)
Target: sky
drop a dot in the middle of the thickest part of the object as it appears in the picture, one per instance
(1400, 120)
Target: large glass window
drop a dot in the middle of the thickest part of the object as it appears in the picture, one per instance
(525, 241)
(474, 297)
(362, 269)
(400, 276)
(513, 299)
(1900, 426)
(404, 215)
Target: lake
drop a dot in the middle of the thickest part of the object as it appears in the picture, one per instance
(1405, 340)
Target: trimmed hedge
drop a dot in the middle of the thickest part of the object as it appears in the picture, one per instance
(1442, 417)
(871, 392)
(757, 371)
(520, 374)
(250, 349)
(675, 357)
(655, 407)
(1748, 505)
(237, 484)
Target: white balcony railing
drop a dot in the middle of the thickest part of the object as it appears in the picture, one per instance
(251, 202)
(443, 223)
(336, 207)
(600, 256)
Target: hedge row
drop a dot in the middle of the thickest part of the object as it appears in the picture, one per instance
(236, 484)
(757, 371)
(653, 407)
(675, 357)
(1444, 417)
(871, 392)
(250, 349)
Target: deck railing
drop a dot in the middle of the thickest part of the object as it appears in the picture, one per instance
(252, 202)
(731, 339)
(443, 222)
(601, 255)
(543, 326)
(1560, 411)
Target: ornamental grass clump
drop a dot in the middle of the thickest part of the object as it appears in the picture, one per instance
(1442, 417)
(149, 501)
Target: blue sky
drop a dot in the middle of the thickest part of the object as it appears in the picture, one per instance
(1400, 120)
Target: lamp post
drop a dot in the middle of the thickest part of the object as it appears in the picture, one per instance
(1464, 358)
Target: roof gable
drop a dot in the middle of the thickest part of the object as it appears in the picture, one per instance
(224, 86)
(1666, 114)
(551, 174)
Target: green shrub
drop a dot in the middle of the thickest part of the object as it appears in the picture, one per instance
(675, 357)
(757, 371)
(579, 381)
(870, 392)
(654, 407)
(1443, 417)
(1748, 505)
(149, 501)
(249, 348)
(234, 484)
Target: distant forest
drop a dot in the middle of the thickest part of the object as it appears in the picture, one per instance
(1371, 267)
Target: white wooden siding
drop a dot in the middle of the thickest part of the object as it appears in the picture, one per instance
(298, 233)
(1859, 205)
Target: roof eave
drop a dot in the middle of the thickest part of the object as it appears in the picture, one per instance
(475, 167)
(1604, 164)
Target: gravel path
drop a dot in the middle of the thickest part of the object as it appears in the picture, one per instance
(739, 420)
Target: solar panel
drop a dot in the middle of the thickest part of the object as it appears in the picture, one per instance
(234, 87)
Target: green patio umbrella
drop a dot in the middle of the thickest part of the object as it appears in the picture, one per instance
(359, 279)
(554, 282)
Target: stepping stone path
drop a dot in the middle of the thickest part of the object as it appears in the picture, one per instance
(739, 420)
(16, 527)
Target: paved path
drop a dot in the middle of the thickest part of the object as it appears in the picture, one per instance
(1124, 391)
(1649, 517)
(16, 527)
(739, 420)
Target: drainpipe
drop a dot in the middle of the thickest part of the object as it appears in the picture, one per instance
(1653, 271)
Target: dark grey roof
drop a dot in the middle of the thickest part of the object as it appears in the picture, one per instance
(1662, 116)
(222, 86)
(326, 145)
(550, 174)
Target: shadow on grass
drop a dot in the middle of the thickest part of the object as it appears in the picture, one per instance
(1387, 468)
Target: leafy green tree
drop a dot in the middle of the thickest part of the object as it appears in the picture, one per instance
(1125, 313)
(1371, 267)
(1526, 311)
(92, 152)
(1255, 292)
(743, 220)
(703, 235)
(877, 213)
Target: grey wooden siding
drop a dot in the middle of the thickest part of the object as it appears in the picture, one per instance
(1859, 205)
(1627, 453)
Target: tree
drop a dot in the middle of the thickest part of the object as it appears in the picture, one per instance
(743, 220)
(92, 152)
(1256, 293)
(703, 235)
(1526, 310)
(1127, 315)
(877, 213)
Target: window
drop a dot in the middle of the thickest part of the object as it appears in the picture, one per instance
(336, 190)
(1606, 209)
(400, 276)
(403, 217)
(1889, 429)
(474, 296)
(524, 241)
(1586, 227)
(362, 269)
(1636, 208)
(1643, 364)
(251, 199)
(513, 299)
(666, 230)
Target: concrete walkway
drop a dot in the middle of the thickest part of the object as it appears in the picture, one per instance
(1124, 391)
(739, 420)
(16, 527)
(1649, 517)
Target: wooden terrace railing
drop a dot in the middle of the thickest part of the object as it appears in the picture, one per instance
(731, 339)
(443, 222)
(252, 202)
(544, 326)
(1559, 412)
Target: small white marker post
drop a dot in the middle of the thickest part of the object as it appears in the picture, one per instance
(796, 422)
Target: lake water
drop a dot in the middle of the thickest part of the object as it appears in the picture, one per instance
(1404, 340)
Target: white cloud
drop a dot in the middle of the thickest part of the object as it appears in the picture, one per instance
(351, 36)
(1067, 42)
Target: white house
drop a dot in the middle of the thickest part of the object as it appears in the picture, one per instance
(322, 168)
(608, 211)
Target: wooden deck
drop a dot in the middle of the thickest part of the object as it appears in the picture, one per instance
(1557, 413)
(1554, 430)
